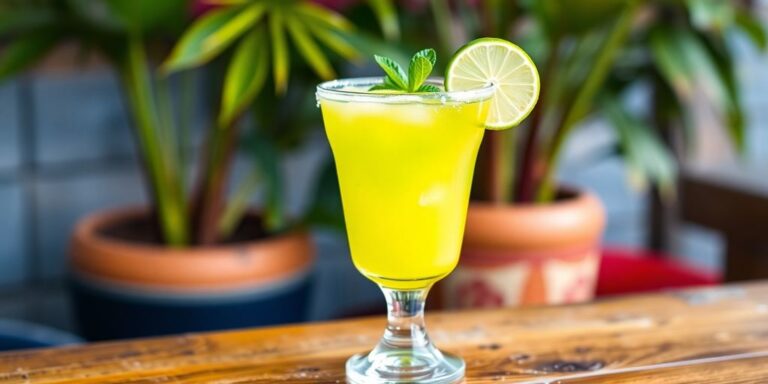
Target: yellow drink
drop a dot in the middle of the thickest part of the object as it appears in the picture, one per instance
(405, 169)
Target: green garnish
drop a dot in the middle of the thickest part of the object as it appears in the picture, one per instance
(419, 68)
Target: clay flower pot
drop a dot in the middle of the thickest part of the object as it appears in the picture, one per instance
(126, 288)
(528, 254)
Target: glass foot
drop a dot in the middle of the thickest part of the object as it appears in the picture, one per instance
(397, 366)
(405, 354)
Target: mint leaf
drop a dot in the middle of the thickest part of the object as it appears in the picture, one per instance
(381, 87)
(418, 71)
(429, 88)
(429, 53)
(419, 68)
(393, 70)
(389, 83)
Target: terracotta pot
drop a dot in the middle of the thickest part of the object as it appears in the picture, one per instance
(129, 289)
(528, 254)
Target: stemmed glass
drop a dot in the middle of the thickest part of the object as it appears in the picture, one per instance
(405, 164)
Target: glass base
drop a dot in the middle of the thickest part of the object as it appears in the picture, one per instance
(391, 365)
(405, 354)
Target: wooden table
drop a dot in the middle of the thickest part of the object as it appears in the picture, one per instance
(717, 335)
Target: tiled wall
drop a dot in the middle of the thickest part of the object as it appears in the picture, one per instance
(65, 150)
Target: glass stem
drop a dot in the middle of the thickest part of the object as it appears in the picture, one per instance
(405, 319)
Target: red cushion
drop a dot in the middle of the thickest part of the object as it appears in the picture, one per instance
(631, 271)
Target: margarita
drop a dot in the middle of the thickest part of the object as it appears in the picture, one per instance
(405, 170)
(405, 151)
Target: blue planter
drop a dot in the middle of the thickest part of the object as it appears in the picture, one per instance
(124, 285)
(109, 312)
(15, 334)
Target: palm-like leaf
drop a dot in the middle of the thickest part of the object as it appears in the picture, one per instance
(25, 51)
(270, 29)
(309, 49)
(687, 65)
(245, 77)
(192, 50)
(280, 58)
(235, 27)
(24, 19)
(753, 27)
(309, 26)
(646, 156)
(385, 12)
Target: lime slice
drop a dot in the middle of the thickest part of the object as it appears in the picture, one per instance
(496, 61)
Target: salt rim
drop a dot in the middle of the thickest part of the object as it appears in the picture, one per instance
(335, 90)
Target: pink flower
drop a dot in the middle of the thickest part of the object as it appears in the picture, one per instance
(336, 4)
(201, 7)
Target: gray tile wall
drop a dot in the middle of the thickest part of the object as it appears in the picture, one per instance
(79, 117)
(9, 127)
(61, 201)
(13, 245)
(65, 150)
(13, 264)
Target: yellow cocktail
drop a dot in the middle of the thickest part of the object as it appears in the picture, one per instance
(405, 163)
(405, 169)
(405, 151)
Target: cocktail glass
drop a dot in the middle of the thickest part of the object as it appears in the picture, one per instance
(405, 164)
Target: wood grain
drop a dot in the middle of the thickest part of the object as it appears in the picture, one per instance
(715, 335)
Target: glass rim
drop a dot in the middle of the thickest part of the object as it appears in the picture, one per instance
(334, 90)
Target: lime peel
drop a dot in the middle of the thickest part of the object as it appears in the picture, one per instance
(505, 65)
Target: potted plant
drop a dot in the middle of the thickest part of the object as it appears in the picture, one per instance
(197, 257)
(529, 240)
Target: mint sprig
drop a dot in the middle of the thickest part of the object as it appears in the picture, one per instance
(419, 68)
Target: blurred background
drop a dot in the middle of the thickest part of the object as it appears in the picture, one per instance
(662, 105)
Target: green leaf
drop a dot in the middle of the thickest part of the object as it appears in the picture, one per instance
(646, 156)
(570, 17)
(334, 41)
(239, 202)
(672, 64)
(428, 53)
(418, 72)
(191, 50)
(25, 19)
(225, 2)
(387, 15)
(393, 70)
(444, 24)
(280, 59)
(711, 14)
(584, 97)
(266, 155)
(753, 27)
(390, 83)
(383, 87)
(324, 17)
(308, 48)
(235, 27)
(734, 114)
(245, 76)
(369, 46)
(687, 65)
(136, 78)
(133, 16)
(24, 52)
(326, 208)
(429, 88)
